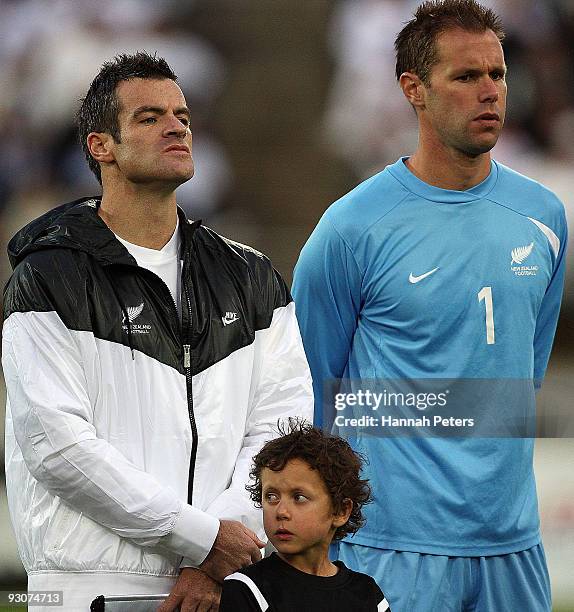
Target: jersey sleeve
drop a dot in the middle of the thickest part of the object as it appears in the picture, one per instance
(327, 293)
(51, 414)
(548, 313)
(237, 595)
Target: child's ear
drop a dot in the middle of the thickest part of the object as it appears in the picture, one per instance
(341, 517)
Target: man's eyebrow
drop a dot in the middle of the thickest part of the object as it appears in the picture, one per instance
(182, 110)
(148, 109)
(478, 71)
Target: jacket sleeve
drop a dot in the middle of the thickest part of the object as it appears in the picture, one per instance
(327, 293)
(280, 388)
(547, 319)
(52, 418)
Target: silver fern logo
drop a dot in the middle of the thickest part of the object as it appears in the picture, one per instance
(519, 254)
(133, 312)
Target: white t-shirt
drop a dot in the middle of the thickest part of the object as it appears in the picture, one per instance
(165, 263)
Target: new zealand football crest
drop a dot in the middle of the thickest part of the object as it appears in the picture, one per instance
(519, 256)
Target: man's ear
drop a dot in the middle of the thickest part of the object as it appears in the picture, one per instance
(100, 145)
(413, 89)
(340, 518)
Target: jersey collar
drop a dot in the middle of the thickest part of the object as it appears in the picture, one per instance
(447, 196)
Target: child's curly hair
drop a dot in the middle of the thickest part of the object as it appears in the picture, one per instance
(337, 463)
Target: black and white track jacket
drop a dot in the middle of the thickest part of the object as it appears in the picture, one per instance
(119, 413)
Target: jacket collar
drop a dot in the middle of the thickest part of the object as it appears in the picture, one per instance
(77, 226)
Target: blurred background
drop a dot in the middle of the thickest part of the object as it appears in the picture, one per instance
(293, 102)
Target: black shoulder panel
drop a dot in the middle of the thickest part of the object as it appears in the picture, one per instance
(235, 292)
(49, 280)
(230, 290)
(90, 297)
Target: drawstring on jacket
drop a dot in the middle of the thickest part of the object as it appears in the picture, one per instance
(129, 324)
(126, 315)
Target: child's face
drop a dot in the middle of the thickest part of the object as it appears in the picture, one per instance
(297, 510)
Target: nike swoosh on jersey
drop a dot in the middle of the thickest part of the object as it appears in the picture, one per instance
(415, 279)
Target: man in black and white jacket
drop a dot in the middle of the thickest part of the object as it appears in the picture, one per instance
(146, 360)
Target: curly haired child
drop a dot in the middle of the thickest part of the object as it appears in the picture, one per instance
(309, 486)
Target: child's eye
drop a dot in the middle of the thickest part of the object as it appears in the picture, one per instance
(299, 497)
(271, 498)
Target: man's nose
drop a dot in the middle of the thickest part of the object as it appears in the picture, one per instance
(489, 91)
(175, 126)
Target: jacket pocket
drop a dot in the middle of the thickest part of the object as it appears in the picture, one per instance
(60, 525)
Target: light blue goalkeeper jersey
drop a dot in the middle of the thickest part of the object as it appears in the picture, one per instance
(404, 280)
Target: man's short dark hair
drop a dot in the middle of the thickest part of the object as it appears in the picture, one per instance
(338, 465)
(100, 108)
(415, 45)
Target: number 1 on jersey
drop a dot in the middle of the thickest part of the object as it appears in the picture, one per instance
(486, 294)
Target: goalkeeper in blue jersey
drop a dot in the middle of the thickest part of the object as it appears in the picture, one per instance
(444, 265)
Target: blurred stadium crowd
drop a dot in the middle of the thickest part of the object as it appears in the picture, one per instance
(293, 102)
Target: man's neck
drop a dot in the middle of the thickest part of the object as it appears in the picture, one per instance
(449, 169)
(146, 218)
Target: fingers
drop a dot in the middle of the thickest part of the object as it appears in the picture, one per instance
(206, 603)
(253, 536)
(190, 604)
(194, 591)
(210, 605)
(171, 603)
(258, 542)
(253, 551)
(255, 555)
(236, 546)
